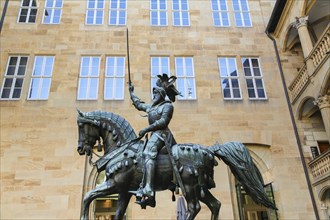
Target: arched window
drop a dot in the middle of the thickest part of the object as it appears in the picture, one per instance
(244, 207)
(249, 210)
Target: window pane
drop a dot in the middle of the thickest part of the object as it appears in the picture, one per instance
(191, 88)
(17, 93)
(234, 83)
(35, 84)
(214, 5)
(18, 83)
(93, 88)
(59, 3)
(226, 93)
(5, 93)
(26, 3)
(8, 83)
(261, 93)
(259, 83)
(236, 93)
(244, 5)
(119, 88)
(45, 88)
(82, 90)
(251, 93)
(225, 83)
(11, 70)
(13, 61)
(108, 93)
(249, 83)
(256, 72)
(247, 71)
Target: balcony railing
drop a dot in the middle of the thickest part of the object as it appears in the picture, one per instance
(320, 166)
(299, 83)
(317, 55)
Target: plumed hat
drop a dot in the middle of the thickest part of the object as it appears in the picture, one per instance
(168, 85)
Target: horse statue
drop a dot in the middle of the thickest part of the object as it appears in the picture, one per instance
(123, 163)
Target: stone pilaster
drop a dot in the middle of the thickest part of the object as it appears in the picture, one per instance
(323, 103)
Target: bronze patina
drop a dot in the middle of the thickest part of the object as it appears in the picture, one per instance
(141, 167)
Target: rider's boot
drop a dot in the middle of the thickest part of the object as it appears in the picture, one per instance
(148, 189)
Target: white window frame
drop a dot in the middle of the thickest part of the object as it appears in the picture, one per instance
(42, 76)
(14, 77)
(95, 11)
(241, 12)
(180, 11)
(220, 12)
(29, 8)
(90, 75)
(186, 92)
(118, 11)
(117, 75)
(254, 78)
(225, 74)
(162, 67)
(56, 6)
(158, 12)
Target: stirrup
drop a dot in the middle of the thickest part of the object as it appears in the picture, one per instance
(150, 201)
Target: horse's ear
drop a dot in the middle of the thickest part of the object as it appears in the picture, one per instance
(80, 112)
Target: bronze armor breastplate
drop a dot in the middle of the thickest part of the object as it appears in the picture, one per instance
(154, 114)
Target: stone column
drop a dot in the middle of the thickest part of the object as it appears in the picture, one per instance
(306, 42)
(323, 103)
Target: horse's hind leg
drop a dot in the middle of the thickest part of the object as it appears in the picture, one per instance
(213, 204)
(102, 190)
(123, 200)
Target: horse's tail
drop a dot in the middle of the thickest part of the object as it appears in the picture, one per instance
(239, 160)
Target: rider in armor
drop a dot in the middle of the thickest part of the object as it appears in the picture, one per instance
(159, 116)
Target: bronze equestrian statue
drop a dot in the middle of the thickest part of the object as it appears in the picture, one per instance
(136, 167)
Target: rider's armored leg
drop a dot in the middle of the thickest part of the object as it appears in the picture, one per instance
(150, 167)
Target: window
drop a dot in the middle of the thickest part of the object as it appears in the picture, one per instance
(248, 209)
(114, 78)
(242, 13)
(53, 11)
(159, 65)
(89, 78)
(94, 12)
(253, 77)
(158, 12)
(220, 13)
(229, 78)
(41, 78)
(184, 69)
(181, 13)
(14, 77)
(117, 13)
(28, 11)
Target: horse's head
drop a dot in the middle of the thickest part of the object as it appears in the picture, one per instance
(89, 133)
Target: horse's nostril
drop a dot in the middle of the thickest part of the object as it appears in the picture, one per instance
(80, 150)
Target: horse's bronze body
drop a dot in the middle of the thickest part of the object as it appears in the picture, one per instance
(124, 165)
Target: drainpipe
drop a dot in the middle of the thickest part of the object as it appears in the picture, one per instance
(295, 128)
(3, 14)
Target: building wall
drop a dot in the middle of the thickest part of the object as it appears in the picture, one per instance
(41, 172)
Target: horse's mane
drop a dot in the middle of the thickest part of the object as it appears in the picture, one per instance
(116, 121)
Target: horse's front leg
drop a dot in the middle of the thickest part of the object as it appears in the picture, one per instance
(123, 200)
(104, 189)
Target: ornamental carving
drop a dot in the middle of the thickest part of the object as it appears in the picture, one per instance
(302, 21)
(323, 102)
